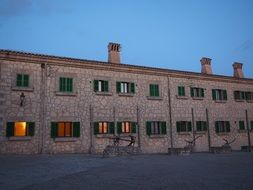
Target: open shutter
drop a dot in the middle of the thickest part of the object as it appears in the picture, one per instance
(189, 126)
(118, 87)
(157, 90)
(214, 94)
(192, 92)
(227, 126)
(119, 127)
(26, 80)
(111, 127)
(182, 90)
(225, 94)
(76, 129)
(54, 129)
(148, 127)
(179, 91)
(19, 80)
(10, 129)
(31, 128)
(217, 127)
(96, 127)
(202, 92)
(95, 84)
(133, 127)
(163, 128)
(204, 126)
(178, 126)
(106, 87)
(132, 87)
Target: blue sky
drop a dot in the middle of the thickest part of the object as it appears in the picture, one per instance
(171, 34)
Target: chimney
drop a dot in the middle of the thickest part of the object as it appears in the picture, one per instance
(114, 52)
(238, 73)
(206, 66)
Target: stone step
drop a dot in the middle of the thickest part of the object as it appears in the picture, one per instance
(111, 151)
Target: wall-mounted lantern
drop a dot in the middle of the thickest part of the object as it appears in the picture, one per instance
(22, 99)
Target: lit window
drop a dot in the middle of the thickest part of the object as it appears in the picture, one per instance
(125, 127)
(64, 129)
(20, 129)
(103, 128)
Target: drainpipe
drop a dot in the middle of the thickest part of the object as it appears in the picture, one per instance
(193, 127)
(170, 114)
(138, 127)
(248, 131)
(208, 131)
(91, 130)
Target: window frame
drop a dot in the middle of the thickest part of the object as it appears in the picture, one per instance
(201, 126)
(124, 87)
(183, 126)
(197, 92)
(181, 91)
(154, 90)
(66, 84)
(219, 95)
(24, 81)
(222, 127)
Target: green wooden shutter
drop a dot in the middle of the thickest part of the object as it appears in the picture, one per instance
(62, 84)
(119, 127)
(132, 87)
(204, 126)
(148, 127)
(225, 94)
(31, 128)
(54, 129)
(202, 92)
(151, 90)
(178, 126)
(243, 95)
(106, 87)
(118, 87)
(133, 127)
(10, 129)
(247, 95)
(96, 127)
(192, 92)
(26, 80)
(70, 85)
(227, 126)
(19, 80)
(217, 127)
(179, 91)
(189, 126)
(156, 90)
(111, 127)
(163, 128)
(214, 94)
(76, 129)
(95, 85)
(198, 125)
(241, 125)
(183, 91)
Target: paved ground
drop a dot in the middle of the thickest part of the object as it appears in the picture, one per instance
(197, 171)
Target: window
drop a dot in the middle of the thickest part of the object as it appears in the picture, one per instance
(249, 95)
(22, 80)
(103, 127)
(239, 95)
(153, 90)
(201, 125)
(241, 125)
(197, 92)
(126, 127)
(181, 91)
(66, 84)
(20, 129)
(156, 128)
(101, 86)
(222, 126)
(65, 129)
(219, 94)
(125, 87)
(184, 126)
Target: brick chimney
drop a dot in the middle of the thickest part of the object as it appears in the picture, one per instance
(114, 52)
(238, 73)
(206, 65)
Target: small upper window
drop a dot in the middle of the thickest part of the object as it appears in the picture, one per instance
(154, 90)
(101, 86)
(125, 87)
(219, 94)
(66, 84)
(197, 92)
(22, 80)
(181, 91)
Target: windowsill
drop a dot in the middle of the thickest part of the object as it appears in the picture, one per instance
(66, 93)
(27, 89)
(198, 98)
(249, 101)
(242, 130)
(156, 136)
(184, 133)
(24, 138)
(200, 132)
(222, 133)
(126, 94)
(154, 98)
(103, 93)
(181, 97)
(239, 100)
(220, 101)
(65, 139)
(104, 135)
(126, 134)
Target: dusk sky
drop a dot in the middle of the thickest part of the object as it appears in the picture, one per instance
(171, 34)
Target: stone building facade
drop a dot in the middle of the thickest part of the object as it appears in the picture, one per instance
(51, 104)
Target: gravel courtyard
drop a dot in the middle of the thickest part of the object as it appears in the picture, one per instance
(77, 171)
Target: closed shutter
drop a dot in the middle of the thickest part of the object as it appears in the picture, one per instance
(179, 91)
(26, 80)
(118, 87)
(96, 127)
(192, 92)
(106, 83)
(119, 127)
(183, 90)
(76, 129)
(243, 95)
(95, 85)
(157, 90)
(217, 127)
(69, 84)
(62, 84)
(178, 126)
(148, 127)
(214, 94)
(189, 126)
(133, 127)
(198, 125)
(241, 125)
(204, 125)
(31, 128)
(225, 94)
(151, 90)
(10, 129)
(132, 87)
(163, 128)
(111, 128)
(202, 92)
(227, 126)
(54, 129)
(19, 80)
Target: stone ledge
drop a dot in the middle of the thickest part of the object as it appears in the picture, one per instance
(104, 135)
(249, 101)
(26, 89)
(200, 132)
(236, 100)
(25, 138)
(242, 131)
(154, 98)
(111, 151)
(198, 98)
(66, 93)
(103, 93)
(220, 149)
(222, 133)
(126, 94)
(220, 101)
(157, 136)
(182, 97)
(65, 139)
(184, 133)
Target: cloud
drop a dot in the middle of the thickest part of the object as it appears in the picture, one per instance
(14, 7)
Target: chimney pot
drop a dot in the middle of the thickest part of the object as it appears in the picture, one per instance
(238, 73)
(114, 52)
(206, 65)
